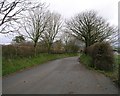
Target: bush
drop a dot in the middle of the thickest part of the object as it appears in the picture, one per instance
(12, 51)
(102, 55)
(25, 51)
(8, 51)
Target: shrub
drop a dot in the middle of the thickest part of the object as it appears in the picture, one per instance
(25, 51)
(102, 55)
(12, 51)
(8, 51)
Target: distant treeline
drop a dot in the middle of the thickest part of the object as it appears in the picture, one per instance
(27, 49)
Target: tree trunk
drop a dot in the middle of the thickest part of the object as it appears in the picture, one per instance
(86, 45)
(49, 48)
(35, 45)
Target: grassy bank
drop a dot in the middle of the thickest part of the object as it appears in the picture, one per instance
(16, 64)
(86, 60)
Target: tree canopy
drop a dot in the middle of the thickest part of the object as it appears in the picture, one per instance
(90, 28)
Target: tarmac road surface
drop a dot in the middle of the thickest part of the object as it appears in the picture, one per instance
(62, 76)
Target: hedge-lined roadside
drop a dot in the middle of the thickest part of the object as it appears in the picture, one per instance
(100, 57)
(86, 60)
(15, 64)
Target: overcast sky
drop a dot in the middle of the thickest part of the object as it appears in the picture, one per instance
(108, 9)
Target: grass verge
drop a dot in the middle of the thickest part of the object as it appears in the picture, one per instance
(87, 61)
(15, 64)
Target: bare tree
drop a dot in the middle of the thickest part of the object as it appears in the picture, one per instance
(8, 12)
(90, 28)
(71, 44)
(34, 24)
(11, 12)
(54, 26)
(66, 37)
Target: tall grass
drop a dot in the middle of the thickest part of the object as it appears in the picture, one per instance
(86, 59)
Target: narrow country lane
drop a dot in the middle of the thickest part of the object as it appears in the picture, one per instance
(62, 76)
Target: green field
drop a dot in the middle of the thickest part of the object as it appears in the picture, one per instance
(17, 64)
